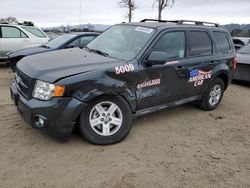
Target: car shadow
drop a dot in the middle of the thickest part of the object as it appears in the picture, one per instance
(241, 83)
(3, 65)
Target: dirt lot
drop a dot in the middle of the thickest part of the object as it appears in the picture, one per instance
(180, 147)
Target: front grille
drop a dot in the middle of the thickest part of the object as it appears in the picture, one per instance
(24, 84)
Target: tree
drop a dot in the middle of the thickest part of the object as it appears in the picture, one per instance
(131, 5)
(75, 30)
(10, 20)
(65, 28)
(13, 20)
(162, 4)
(28, 23)
(240, 33)
(90, 27)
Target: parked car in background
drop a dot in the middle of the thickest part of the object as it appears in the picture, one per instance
(246, 40)
(62, 42)
(53, 35)
(243, 68)
(16, 37)
(239, 42)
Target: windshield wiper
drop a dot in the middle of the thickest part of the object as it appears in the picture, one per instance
(87, 48)
(97, 51)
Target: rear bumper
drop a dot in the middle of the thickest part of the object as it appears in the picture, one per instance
(242, 72)
(59, 114)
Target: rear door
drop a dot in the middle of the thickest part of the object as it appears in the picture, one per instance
(12, 39)
(197, 68)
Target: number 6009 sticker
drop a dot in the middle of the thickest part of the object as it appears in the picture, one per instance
(124, 68)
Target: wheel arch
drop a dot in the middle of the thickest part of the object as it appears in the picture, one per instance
(121, 96)
(224, 77)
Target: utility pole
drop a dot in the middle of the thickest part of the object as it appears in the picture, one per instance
(80, 16)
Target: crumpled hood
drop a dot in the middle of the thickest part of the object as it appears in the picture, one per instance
(52, 66)
(243, 58)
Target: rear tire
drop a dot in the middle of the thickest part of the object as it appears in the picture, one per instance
(106, 120)
(213, 95)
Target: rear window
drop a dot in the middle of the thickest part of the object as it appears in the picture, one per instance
(35, 31)
(222, 42)
(200, 43)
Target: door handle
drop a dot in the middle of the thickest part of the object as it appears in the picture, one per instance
(180, 68)
(181, 71)
(211, 62)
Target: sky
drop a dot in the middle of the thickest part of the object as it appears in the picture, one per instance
(48, 13)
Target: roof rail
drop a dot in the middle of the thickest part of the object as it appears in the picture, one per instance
(201, 23)
(155, 20)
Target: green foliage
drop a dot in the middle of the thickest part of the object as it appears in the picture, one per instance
(240, 33)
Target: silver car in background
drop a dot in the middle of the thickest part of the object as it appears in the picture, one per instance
(242, 72)
(16, 37)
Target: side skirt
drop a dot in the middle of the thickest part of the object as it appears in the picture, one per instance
(165, 106)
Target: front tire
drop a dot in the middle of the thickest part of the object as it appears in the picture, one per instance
(213, 95)
(106, 120)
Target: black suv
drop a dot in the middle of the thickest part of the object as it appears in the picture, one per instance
(131, 69)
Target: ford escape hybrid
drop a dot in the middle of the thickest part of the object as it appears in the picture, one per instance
(131, 69)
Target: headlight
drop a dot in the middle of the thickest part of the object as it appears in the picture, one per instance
(45, 91)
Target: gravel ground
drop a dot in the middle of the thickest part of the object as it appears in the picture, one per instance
(179, 147)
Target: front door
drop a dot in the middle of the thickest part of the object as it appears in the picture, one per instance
(162, 83)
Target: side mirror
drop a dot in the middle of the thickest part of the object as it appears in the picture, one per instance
(82, 45)
(156, 57)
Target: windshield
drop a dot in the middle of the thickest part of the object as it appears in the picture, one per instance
(35, 31)
(245, 49)
(123, 41)
(55, 43)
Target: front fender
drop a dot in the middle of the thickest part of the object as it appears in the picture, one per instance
(88, 86)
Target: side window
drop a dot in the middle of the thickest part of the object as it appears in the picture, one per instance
(85, 40)
(74, 43)
(222, 42)
(200, 43)
(173, 44)
(12, 32)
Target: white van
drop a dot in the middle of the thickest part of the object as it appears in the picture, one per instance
(16, 37)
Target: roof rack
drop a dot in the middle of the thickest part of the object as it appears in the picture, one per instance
(201, 23)
(154, 20)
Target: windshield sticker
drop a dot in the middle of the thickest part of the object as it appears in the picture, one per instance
(171, 62)
(197, 77)
(149, 83)
(144, 29)
(124, 68)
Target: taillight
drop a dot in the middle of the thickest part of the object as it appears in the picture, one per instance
(234, 62)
